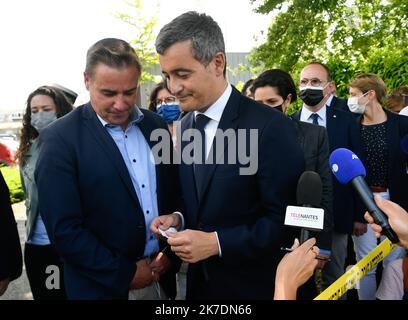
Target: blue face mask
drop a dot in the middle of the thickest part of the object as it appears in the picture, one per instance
(169, 112)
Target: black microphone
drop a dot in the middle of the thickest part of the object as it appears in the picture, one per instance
(347, 168)
(308, 194)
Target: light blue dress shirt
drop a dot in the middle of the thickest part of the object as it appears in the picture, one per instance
(139, 160)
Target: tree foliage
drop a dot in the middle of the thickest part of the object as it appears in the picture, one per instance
(144, 42)
(351, 36)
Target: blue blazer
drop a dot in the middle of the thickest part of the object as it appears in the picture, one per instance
(340, 104)
(343, 133)
(247, 211)
(89, 205)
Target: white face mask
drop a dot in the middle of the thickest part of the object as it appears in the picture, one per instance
(353, 105)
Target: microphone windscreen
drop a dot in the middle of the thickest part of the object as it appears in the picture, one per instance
(345, 165)
(309, 189)
(404, 144)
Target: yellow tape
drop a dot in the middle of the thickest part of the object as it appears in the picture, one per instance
(348, 280)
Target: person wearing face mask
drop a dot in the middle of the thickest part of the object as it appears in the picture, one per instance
(317, 93)
(164, 104)
(342, 131)
(44, 105)
(275, 88)
(381, 132)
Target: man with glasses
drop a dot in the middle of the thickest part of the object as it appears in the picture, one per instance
(316, 90)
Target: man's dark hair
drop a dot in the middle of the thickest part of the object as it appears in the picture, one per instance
(278, 79)
(203, 32)
(115, 53)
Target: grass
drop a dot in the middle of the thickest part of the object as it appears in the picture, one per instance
(12, 177)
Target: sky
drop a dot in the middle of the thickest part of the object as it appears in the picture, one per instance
(45, 41)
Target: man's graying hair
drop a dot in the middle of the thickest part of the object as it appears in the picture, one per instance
(205, 35)
(115, 53)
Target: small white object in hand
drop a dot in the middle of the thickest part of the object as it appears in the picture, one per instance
(163, 232)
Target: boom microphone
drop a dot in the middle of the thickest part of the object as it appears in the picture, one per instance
(347, 168)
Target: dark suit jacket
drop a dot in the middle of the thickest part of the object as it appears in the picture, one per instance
(89, 205)
(315, 145)
(340, 104)
(247, 211)
(397, 129)
(11, 262)
(343, 133)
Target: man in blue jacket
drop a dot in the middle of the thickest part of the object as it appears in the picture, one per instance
(99, 187)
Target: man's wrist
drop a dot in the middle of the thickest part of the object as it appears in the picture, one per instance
(181, 217)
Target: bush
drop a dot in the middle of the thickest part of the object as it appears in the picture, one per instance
(12, 177)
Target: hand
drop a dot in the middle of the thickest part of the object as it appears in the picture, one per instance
(144, 275)
(295, 268)
(160, 263)
(397, 218)
(193, 246)
(4, 285)
(359, 229)
(164, 222)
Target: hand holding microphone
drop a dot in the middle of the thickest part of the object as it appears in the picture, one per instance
(347, 168)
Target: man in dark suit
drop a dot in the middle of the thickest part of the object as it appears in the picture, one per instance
(339, 103)
(234, 217)
(343, 133)
(99, 187)
(11, 261)
(277, 89)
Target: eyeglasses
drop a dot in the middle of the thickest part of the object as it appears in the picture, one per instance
(167, 100)
(315, 82)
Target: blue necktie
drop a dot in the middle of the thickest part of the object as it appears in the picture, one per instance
(199, 169)
(315, 118)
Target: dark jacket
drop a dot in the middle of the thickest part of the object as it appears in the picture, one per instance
(11, 262)
(397, 129)
(315, 145)
(247, 211)
(343, 132)
(89, 206)
(340, 104)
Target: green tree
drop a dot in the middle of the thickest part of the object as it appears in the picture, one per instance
(145, 37)
(351, 36)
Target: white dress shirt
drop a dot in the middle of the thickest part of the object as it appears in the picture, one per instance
(214, 112)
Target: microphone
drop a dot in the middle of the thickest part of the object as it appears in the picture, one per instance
(308, 196)
(348, 168)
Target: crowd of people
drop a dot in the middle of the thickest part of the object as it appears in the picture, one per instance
(102, 189)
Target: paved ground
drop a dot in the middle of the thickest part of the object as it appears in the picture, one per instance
(19, 289)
